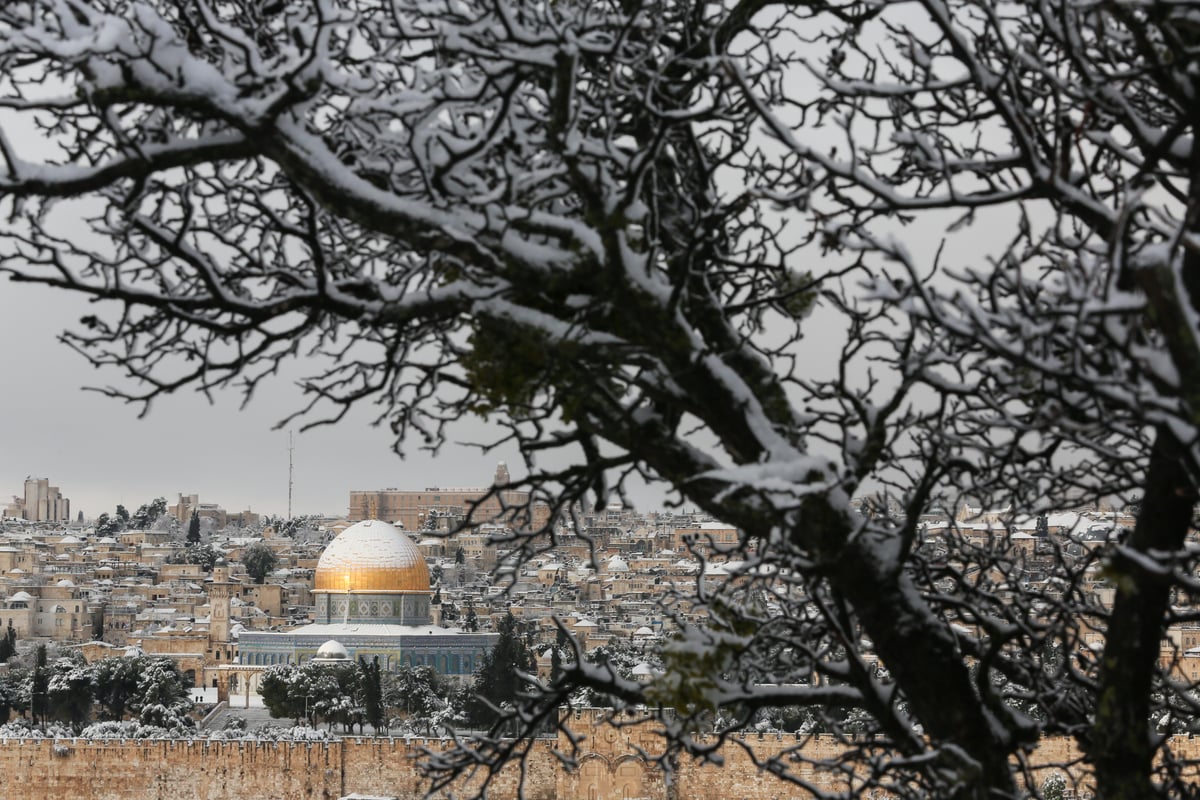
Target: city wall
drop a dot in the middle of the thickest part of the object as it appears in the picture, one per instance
(239, 770)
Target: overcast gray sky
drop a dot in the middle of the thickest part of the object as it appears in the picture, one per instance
(100, 454)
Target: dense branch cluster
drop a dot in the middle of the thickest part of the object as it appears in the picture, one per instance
(773, 255)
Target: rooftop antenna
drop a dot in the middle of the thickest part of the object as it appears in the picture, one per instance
(290, 449)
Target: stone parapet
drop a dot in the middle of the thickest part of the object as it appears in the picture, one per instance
(608, 767)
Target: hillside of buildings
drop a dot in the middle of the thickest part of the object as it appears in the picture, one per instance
(105, 586)
(248, 612)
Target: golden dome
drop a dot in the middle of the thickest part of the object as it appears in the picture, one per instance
(371, 556)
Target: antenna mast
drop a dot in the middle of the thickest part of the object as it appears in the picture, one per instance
(290, 449)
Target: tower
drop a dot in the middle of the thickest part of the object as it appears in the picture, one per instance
(291, 448)
(220, 596)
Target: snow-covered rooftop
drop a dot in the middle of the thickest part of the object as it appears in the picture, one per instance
(344, 629)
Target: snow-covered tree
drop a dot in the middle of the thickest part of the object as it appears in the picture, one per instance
(328, 692)
(769, 255)
(161, 699)
(205, 555)
(280, 695)
(71, 688)
(116, 680)
(421, 698)
(107, 526)
(148, 513)
(13, 694)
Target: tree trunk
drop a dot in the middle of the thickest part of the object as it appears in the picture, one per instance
(1121, 744)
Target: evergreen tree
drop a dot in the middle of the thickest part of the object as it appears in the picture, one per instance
(11, 686)
(206, 556)
(280, 695)
(309, 690)
(423, 698)
(116, 685)
(499, 679)
(370, 687)
(39, 681)
(337, 693)
(193, 534)
(259, 559)
(8, 643)
(561, 642)
(161, 698)
(470, 620)
(70, 691)
(148, 513)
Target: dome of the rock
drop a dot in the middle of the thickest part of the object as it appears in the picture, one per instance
(371, 600)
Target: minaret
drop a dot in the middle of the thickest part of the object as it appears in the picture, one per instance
(220, 595)
(502, 478)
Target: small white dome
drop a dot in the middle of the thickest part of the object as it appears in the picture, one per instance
(643, 631)
(333, 651)
(65, 583)
(617, 564)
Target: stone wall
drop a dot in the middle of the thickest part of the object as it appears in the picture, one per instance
(202, 770)
(610, 767)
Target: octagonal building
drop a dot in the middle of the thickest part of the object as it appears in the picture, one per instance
(372, 595)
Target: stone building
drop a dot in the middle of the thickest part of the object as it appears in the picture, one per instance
(417, 509)
(41, 503)
(57, 612)
(189, 504)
